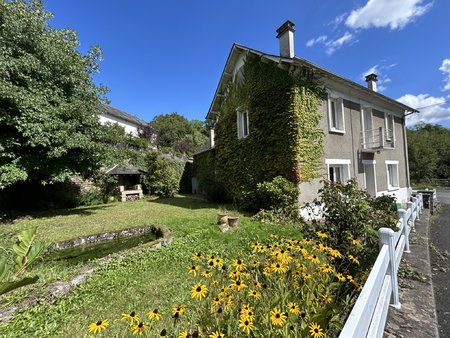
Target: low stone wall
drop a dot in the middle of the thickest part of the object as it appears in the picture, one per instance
(160, 230)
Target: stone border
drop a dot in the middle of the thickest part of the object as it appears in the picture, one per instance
(160, 230)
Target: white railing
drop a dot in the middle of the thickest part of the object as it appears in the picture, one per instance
(378, 138)
(368, 316)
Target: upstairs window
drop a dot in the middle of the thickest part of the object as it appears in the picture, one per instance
(336, 114)
(392, 174)
(389, 125)
(242, 124)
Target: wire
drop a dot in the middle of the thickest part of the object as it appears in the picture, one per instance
(432, 105)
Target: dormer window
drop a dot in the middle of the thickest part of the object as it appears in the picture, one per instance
(242, 124)
(336, 114)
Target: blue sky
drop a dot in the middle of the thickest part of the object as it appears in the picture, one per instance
(168, 56)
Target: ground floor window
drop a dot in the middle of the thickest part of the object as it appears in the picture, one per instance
(392, 174)
(338, 169)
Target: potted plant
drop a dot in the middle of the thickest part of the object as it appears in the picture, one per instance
(233, 221)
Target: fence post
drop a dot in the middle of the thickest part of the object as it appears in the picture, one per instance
(411, 206)
(416, 207)
(401, 214)
(387, 238)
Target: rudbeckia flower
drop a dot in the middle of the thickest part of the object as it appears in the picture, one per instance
(207, 274)
(216, 334)
(198, 291)
(238, 284)
(181, 309)
(294, 308)
(139, 328)
(197, 255)
(278, 317)
(247, 325)
(98, 326)
(321, 234)
(132, 316)
(254, 293)
(193, 269)
(239, 264)
(154, 313)
(316, 330)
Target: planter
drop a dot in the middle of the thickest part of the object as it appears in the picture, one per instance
(222, 219)
(233, 222)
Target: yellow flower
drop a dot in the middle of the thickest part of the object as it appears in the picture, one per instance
(341, 277)
(132, 316)
(197, 255)
(180, 309)
(139, 328)
(184, 334)
(229, 303)
(327, 298)
(256, 284)
(254, 293)
(353, 259)
(247, 314)
(239, 264)
(238, 284)
(246, 325)
(274, 236)
(279, 267)
(207, 273)
(321, 234)
(198, 291)
(315, 330)
(326, 268)
(278, 317)
(307, 275)
(314, 259)
(98, 326)
(216, 334)
(215, 282)
(193, 269)
(218, 262)
(255, 263)
(216, 301)
(154, 313)
(294, 308)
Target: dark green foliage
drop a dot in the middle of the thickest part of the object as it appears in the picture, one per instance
(183, 174)
(428, 153)
(208, 182)
(48, 121)
(179, 134)
(284, 139)
(160, 178)
(350, 213)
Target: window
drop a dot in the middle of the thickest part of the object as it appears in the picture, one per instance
(392, 174)
(338, 170)
(389, 125)
(336, 114)
(242, 124)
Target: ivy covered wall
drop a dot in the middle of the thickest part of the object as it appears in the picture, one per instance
(284, 135)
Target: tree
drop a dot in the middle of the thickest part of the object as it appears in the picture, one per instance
(159, 179)
(48, 123)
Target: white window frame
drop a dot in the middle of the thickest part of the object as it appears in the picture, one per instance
(367, 111)
(389, 119)
(339, 125)
(342, 164)
(242, 120)
(393, 184)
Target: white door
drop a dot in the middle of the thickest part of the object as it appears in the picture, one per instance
(371, 183)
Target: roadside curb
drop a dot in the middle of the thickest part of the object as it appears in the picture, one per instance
(417, 316)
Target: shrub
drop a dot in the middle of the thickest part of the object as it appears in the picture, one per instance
(160, 178)
(352, 218)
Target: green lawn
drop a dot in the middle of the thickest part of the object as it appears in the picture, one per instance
(143, 280)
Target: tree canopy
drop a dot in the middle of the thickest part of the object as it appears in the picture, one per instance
(48, 123)
(428, 152)
(180, 134)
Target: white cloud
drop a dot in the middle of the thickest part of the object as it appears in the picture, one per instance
(445, 68)
(382, 13)
(320, 39)
(338, 20)
(435, 111)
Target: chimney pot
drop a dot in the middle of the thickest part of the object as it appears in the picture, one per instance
(371, 80)
(286, 37)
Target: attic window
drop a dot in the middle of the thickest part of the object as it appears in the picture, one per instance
(242, 124)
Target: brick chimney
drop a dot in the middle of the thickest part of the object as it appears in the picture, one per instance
(286, 36)
(371, 80)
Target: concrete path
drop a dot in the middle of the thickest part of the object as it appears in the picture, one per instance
(417, 316)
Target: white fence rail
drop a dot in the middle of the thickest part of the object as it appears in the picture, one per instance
(368, 317)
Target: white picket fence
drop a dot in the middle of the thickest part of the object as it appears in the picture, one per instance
(368, 317)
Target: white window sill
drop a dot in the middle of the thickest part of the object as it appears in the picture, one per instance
(336, 131)
(393, 188)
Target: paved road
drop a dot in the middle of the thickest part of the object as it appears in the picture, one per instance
(439, 254)
(444, 196)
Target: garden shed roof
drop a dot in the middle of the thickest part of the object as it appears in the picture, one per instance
(124, 169)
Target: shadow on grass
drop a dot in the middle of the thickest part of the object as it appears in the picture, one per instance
(12, 216)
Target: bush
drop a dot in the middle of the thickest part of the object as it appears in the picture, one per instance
(351, 218)
(160, 178)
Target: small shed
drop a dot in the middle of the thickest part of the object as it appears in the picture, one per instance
(128, 177)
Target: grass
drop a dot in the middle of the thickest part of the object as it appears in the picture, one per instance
(143, 280)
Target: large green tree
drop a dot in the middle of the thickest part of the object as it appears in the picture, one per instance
(428, 152)
(48, 121)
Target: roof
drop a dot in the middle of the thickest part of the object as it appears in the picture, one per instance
(323, 73)
(119, 114)
(124, 169)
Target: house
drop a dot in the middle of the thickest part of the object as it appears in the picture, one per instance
(273, 126)
(129, 122)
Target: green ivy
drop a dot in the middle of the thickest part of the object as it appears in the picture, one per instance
(284, 135)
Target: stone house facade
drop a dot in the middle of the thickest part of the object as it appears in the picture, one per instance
(364, 135)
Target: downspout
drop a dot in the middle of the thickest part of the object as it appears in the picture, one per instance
(405, 144)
